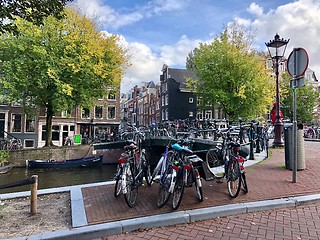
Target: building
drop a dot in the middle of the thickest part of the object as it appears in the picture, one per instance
(142, 106)
(16, 124)
(177, 102)
(99, 123)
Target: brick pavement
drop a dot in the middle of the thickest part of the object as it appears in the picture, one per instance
(300, 223)
(266, 180)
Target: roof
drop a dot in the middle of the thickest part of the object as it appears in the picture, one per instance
(180, 75)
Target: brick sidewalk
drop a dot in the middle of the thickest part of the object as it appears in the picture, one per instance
(297, 223)
(266, 180)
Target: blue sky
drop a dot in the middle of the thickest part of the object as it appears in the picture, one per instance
(158, 32)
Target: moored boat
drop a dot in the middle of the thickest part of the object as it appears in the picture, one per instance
(6, 167)
(92, 161)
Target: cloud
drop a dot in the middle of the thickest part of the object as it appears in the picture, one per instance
(160, 6)
(255, 9)
(108, 17)
(146, 64)
(177, 53)
(297, 21)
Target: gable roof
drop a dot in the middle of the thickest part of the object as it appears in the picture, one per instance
(180, 75)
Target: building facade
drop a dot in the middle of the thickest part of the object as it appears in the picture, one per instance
(97, 124)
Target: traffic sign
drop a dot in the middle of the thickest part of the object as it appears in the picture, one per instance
(297, 82)
(298, 62)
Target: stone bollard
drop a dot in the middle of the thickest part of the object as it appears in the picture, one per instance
(300, 150)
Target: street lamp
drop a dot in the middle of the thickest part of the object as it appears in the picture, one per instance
(277, 48)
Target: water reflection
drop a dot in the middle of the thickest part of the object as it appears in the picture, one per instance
(49, 178)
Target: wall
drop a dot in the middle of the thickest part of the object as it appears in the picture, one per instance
(19, 157)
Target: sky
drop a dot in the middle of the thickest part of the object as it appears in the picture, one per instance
(158, 32)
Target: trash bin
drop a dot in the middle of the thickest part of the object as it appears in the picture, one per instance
(288, 145)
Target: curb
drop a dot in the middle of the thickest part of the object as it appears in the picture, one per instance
(119, 227)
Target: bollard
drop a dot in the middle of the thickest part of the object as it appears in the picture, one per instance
(251, 155)
(300, 151)
(34, 195)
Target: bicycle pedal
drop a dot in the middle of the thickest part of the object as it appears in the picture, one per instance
(219, 181)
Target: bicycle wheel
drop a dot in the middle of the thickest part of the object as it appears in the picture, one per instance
(131, 194)
(244, 185)
(164, 193)
(266, 144)
(146, 168)
(233, 178)
(178, 191)
(198, 187)
(213, 158)
(117, 186)
(156, 170)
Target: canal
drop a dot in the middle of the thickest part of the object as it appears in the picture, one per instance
(51, 178)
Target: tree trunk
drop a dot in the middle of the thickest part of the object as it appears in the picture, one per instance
(49, 126)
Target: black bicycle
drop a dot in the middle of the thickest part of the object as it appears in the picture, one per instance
(133, 167)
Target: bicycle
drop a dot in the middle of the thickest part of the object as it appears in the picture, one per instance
(13, 144)
(235, 174)
(166, 178)
(119, 178)
(263, 136)
(133, 167)
(186, 165)
(226, 154)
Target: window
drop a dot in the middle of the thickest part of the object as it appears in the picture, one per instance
(111, 95)
(98, 112)
(191, 100)
(200, 115)
(167, 100)
(199, 101)
(111, 112)
(163, 100)
(167, 114)
(190, 114)
(85, 113)
(164, 87)
(29, 143)
(43, 133)
(30, 124)
(66, 113)
(16, 123)
(55, 132)
(208, 115)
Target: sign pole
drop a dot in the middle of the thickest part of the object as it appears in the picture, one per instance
(297, 64)
(295, 162)
(294, 120)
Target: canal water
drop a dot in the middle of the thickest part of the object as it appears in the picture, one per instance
(51, 178)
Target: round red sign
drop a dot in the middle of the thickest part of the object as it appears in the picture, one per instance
(298, 62)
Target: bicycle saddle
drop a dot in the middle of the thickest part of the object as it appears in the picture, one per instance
(177, 147)
(130, 145)
(233, 144)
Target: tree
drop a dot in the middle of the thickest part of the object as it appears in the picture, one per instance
(307, 98)
(231, 75)
(31, 10)
(60, 65)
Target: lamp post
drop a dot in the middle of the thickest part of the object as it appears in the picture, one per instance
(277, 48)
